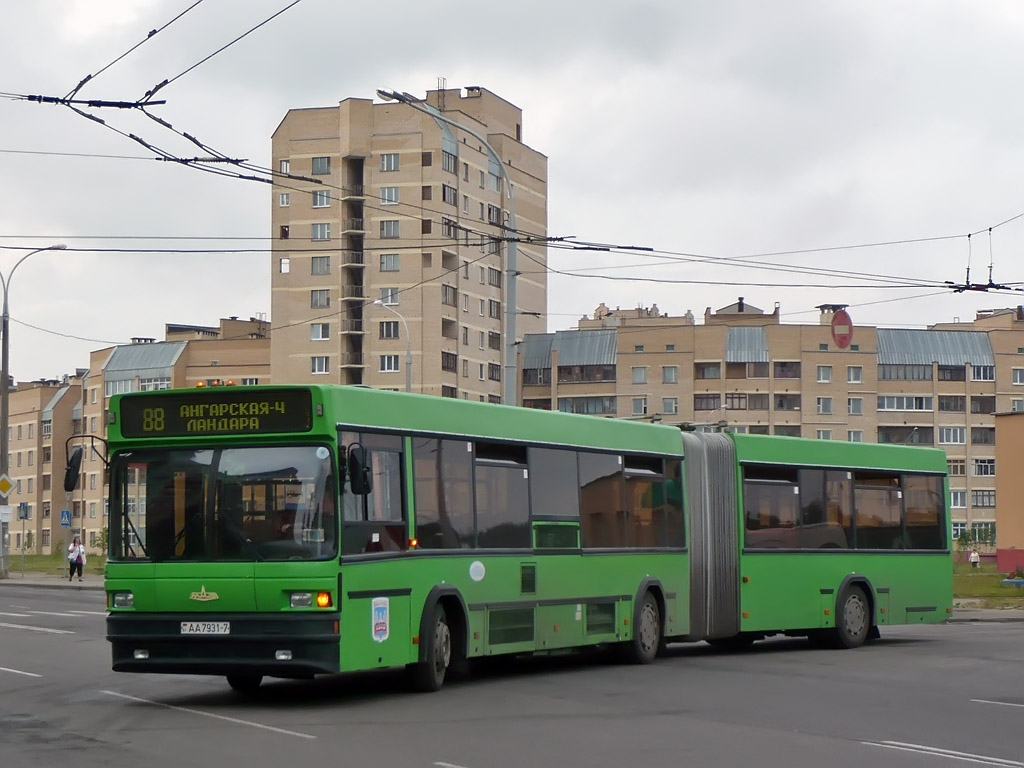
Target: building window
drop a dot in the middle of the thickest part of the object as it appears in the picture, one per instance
(983, 373)
(285, 166)
(283, 232)
(449, 228)
(984, 467)
(952, 403)
(389, 229)
(320, 332)
(250, 381)
(854, 436)
(669, 374)
(639, 374)
(707, 402)
(958, 499)
(427, 193)
(321, 166)
(449, 162)
(494, 372)
(854, 374)
(904, 403)
(389, 297)
(824, 434)
(321, 198)
(983, 404)
(735, 401)
(824, 374)
(494, 309)
(449, 295)
(389, 161)
(318, 364)
(1017, 405)
(824, 406)
(284, 199)
(320, 298)
(952, 435)
(389, 262)
(985, 498)
(483, 374)
(449, 362)
(855, 406)
(321, 265)
(321, 231)
(758, 402)
(389, 195)
(389, 329)
(639, 406)
(389, 363)
(786, 370)
(983, 435)
(284, 265)
(449, 195)
(956, 467)
(494, 277)
(905, 372)
(958, 529)
(707, 370)
(670, 405)
(493, 340)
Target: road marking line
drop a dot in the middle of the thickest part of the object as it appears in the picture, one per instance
(19, 672)
(38, 629)
(19, 615)
(1000, 703)
(210, 714)
(89, 613)
(448, 765)
(62, 614)
(947, 753)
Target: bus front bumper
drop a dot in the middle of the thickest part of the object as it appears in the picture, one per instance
(294, 645)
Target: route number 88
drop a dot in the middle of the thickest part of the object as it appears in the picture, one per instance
(152, 419)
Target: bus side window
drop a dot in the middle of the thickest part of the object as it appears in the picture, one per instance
(375, 521)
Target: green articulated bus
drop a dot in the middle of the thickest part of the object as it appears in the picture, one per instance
(294, 531)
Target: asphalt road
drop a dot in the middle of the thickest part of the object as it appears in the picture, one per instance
(921, 696)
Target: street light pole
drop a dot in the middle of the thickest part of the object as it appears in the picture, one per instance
(5, 392)
(408, 344)
(511, 252)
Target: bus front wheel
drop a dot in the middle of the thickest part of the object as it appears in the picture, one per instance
(428, 675)
(647, 640)
(853, 618)
(244, 683)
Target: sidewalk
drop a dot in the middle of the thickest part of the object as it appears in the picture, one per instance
(94, 582)
(46, 580)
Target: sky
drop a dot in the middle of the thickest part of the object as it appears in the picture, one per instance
(800, 152)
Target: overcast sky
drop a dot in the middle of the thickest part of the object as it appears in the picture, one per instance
(725, 130)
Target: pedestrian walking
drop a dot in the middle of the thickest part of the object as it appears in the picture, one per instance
(975, 558)
(76, 559)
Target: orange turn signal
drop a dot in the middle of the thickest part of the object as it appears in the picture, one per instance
(323, 600)
(413, 543)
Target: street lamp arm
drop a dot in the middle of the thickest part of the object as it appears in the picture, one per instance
(408, 342)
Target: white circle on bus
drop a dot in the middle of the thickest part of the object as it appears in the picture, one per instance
(322, 453)
(477, 571)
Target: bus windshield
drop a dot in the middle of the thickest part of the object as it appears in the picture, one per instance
(223, 504)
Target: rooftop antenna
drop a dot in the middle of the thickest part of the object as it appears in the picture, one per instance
(442, 84)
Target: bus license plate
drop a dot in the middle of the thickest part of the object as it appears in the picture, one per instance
(206, 627)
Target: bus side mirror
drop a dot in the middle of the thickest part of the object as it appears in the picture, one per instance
(360, 470)
(72, 469)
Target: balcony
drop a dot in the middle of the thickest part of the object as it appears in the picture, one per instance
(351, 360)
(353, 293)
(352, 192)
(351, 326)
(353, 226)
(353, 259)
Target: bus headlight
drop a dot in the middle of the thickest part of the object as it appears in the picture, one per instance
(123, 600)
(302, 599)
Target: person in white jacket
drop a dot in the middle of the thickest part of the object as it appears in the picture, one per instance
(76, 558)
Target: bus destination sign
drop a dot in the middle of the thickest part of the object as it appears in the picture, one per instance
(224, 412)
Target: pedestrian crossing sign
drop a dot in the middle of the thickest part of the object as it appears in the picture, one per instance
(65, 518)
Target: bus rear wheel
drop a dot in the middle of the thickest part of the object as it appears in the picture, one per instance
(245, 683)
(647, 640)
(853, 618)
(428, 675)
